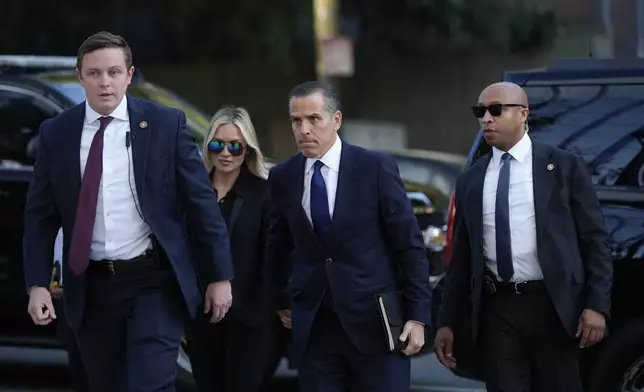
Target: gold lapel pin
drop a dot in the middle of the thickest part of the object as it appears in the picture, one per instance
(143, 124)
(550, 167)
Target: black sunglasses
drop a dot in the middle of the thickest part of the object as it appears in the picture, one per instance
(495, 109)
(234, 148)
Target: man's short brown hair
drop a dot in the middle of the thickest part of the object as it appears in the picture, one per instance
(102, 40)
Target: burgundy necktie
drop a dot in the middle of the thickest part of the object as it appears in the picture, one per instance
(81, 243)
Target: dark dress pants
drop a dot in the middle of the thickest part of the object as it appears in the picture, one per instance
(66, 336)
(331, 363)
(524, 346)
(227, 356)
(131, 331)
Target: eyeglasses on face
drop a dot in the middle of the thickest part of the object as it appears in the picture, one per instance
(495, 109)
(217, 146)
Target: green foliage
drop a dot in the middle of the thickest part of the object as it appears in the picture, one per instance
(533, 29)
(518, 29)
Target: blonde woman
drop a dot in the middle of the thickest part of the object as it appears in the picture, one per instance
(228, 356)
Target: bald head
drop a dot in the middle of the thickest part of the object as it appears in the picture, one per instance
(502, 111)
(504, 92)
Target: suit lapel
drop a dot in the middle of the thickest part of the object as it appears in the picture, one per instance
(543, 178)
(140, 130)
(77, 116)
(343, 199)
(474, 198)
(234, 214)
(243, 191)
(298, 175)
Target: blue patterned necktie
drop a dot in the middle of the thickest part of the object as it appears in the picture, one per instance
(320, 204)
(502, 221)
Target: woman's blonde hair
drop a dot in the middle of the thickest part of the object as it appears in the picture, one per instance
(238, 116)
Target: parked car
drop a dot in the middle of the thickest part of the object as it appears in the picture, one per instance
(595, 108)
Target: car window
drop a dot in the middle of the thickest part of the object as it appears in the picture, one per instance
(197, 122)
(21, 113)
(434, 178)
(604, 124)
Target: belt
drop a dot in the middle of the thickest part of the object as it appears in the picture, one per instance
(493, 286)
(118, 267)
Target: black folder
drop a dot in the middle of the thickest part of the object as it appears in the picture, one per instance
(390, 306)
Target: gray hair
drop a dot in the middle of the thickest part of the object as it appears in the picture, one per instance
(331, 97)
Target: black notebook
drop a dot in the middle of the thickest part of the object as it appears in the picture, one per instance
(391, 314)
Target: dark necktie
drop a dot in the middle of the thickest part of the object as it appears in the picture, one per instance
(81, 242)
(502, 221)
(320, 204)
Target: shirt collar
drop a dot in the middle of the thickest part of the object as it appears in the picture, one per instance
(119, 113)
(331, 159)
(519, 151)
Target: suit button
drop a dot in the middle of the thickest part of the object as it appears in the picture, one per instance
(328, 260)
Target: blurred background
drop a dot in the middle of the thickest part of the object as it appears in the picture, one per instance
(407, 72)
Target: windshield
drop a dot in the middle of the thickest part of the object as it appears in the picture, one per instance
(434, 178)
(197, 122)
(603, 123)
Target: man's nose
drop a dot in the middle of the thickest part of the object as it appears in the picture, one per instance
(105, 81)
(487, 117)
(305, 129)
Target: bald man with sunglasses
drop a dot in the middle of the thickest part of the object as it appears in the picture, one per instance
(530, 263)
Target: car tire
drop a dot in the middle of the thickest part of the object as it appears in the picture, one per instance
(619, 365)
(185, 382)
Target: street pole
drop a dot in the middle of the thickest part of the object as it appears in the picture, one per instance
(640, 28)
(608, 48)
(325, 15)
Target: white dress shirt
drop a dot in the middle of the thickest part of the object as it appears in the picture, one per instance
(119, 231)
(523, 228)
(58, 252)
(330, 171)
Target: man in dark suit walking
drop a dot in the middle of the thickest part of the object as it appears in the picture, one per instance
(342, 231)
(125, 181)
(530, 258)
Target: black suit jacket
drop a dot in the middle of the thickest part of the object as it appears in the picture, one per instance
(247, 227)
(571, 240)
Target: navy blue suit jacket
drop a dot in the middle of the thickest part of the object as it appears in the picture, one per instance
(173, 191)
(571, 241)
(376, 247)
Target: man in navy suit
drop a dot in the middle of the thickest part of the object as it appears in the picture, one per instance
(124, 179)
(531, 263)
(342, 231)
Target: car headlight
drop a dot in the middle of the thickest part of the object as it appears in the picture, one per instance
(434, 238)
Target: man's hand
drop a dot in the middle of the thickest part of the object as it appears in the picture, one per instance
(591, 327)
(218, 298)
(443, 344)
(40, 308)
(414, 334)
(285, 316)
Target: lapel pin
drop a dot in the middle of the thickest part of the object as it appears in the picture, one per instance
(550, 167)
(143, 124)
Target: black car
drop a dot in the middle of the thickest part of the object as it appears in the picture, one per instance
(595, 108)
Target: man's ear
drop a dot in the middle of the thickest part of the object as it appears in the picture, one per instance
(337, 120)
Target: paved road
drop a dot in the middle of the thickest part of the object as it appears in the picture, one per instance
(26, 370)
